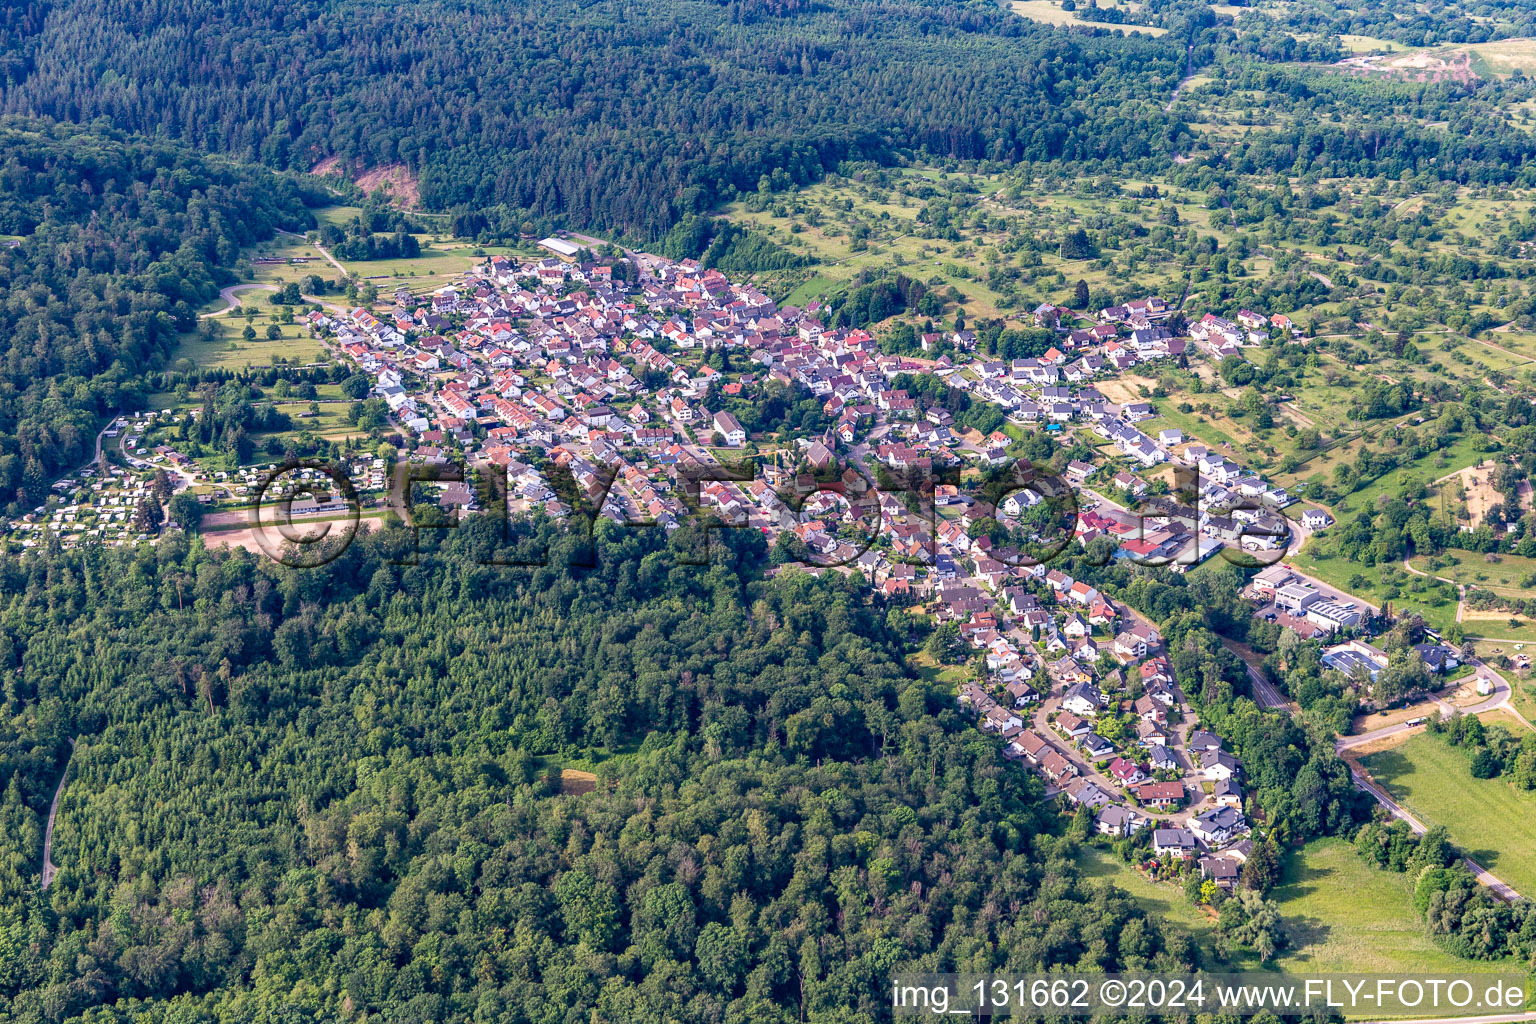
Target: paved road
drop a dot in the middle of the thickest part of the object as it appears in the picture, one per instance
(1496, 700)
(53, 809)
(1500, 888)
(1269, 697)
(1039, 721)
(1299, 535)
(1298, 538)
(100, 434)
(228, 295)
(1330, 591)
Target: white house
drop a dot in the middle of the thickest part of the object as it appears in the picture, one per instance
(728, 427)
(1316, 519)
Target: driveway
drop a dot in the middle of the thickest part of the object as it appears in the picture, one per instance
(1493, 702)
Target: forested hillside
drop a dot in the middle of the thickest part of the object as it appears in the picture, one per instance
(315, 796)
(120, 241)
(619, 114)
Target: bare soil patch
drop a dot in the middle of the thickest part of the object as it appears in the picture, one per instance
(1417, 66)
(397, 179)
(330, 165)
(1482, 496)
(1125, 390)
(573, 781)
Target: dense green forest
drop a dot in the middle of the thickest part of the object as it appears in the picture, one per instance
(627, 115)
(619, 114)
(1475, 21)
(323, 795)
(120, 241)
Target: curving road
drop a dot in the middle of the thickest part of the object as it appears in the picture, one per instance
(53, 810)
(1497, 699)
(228, 295)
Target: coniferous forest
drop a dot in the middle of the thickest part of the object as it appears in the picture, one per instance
(612, 115)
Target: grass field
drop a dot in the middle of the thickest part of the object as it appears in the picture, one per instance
(440, 263)
(1436, 602)
(847, 226)
(1505, 56)
(1340, 913)
(1369, 44)
(337, 215)
(1488, 818)
(230, 351)
(1505, 575)
(1050, 13)
(1343, 915)
(287, 247)
(932, 672)
(1466, 451)
(1165, 902)
(1522, 692)
(1494, 625)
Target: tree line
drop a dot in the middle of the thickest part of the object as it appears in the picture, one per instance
(120, 241)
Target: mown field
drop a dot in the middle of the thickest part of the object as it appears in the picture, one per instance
(1488, 818)
(1343, 915)
(1163, 901)
(1049, 12)
(1340, 913)
(228, 349)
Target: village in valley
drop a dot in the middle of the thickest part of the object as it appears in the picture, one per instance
(649, 383)
(768, 513)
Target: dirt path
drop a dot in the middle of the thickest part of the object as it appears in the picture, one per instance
(1455, 473)
(1461, 588)
(291, 234)
(1501, 348)
(1301, 418)
(1189, 73)
(53, 810)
